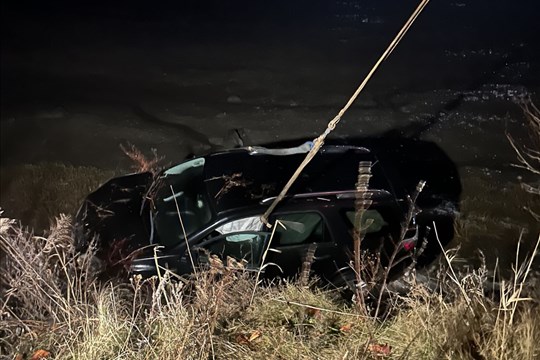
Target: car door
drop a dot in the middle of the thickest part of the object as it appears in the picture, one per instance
(245, 247)
(295, 233)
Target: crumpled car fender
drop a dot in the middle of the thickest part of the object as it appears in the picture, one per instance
(113, 212)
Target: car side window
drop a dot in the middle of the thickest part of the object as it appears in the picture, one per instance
(300, 228)
(246, 246)
(372, 221)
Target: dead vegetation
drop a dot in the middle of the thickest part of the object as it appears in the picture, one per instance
(529, 156)
(51, 301)
(37, 193)
(141, 162)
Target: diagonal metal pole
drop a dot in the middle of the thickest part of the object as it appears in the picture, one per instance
(318, 142)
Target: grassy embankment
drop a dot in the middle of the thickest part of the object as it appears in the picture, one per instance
(52, 300)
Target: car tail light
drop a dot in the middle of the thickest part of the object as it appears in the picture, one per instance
(411, 236)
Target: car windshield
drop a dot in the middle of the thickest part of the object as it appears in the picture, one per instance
(181, 199)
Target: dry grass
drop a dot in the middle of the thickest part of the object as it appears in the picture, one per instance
(529, 156)
(51, 301)
(142, 163)
(35, 194)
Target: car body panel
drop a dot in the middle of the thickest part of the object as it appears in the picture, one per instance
(189, 202)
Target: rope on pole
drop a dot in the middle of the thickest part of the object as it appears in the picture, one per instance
(318, 142)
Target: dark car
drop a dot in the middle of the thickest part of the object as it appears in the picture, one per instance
(214, 204)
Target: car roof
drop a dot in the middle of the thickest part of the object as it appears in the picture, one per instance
(240, 177)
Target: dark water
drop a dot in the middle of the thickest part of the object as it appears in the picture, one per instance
(76, 81)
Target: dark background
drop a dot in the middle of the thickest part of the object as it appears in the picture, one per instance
(40, 36)
(79, 78)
